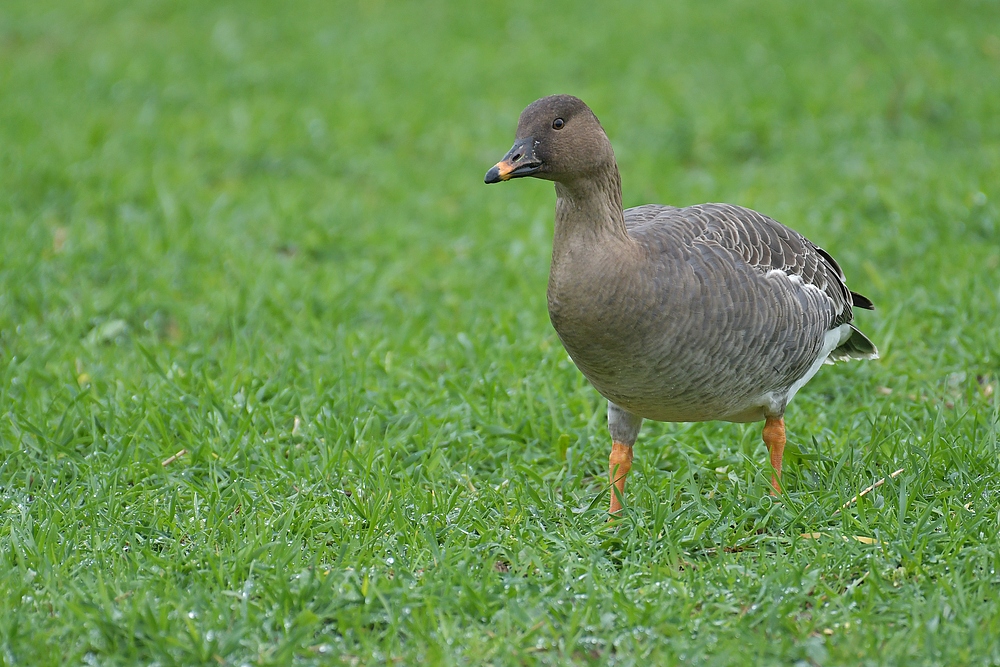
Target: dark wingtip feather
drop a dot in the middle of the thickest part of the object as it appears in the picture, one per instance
(861, 301)
(857, 346)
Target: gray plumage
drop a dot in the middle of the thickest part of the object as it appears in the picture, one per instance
(701, 318)
(677, 314)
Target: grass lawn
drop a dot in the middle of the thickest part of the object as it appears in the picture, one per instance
(277, 381)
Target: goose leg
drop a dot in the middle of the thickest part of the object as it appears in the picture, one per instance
(624, 429)
(619, 463)
(774, 440)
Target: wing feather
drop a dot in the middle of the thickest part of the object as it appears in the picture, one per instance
(764, 244)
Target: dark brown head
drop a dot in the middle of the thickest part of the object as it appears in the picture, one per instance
(559, 139)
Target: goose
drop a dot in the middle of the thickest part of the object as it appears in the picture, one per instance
(707, 312)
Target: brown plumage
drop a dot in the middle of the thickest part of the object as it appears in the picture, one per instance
(677, 314)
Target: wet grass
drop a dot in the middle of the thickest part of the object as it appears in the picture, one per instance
(277, 383)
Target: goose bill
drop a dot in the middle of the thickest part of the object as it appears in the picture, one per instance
(519, 161)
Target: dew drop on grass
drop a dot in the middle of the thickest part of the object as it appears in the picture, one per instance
(390, 560)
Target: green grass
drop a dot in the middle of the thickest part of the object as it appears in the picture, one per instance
(258, 232)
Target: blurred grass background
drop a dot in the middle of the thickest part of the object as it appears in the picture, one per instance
(258, 232)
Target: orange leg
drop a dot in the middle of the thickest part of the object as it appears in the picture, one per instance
(619, 464)
(774, 440)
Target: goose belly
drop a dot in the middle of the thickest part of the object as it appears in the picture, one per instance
(739, 379)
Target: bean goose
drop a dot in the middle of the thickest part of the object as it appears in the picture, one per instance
(709, 312)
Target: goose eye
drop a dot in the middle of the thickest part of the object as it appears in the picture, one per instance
(558, 123)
